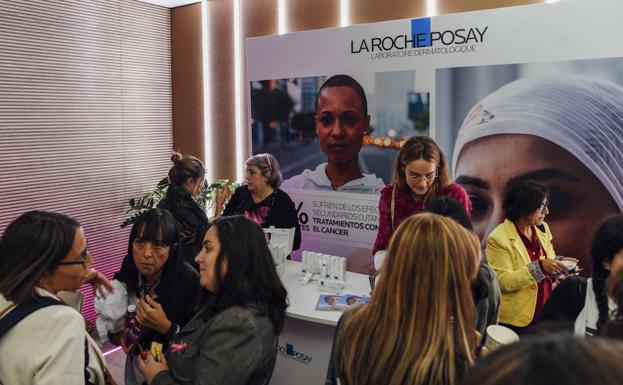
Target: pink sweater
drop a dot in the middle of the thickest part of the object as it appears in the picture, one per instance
(405, 206)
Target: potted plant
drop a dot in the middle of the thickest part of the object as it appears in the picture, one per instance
(205, 198)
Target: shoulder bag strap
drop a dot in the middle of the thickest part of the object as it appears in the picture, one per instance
(108, 378)
(22, 311)
(392, 208)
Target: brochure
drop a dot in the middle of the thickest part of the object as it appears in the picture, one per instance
(339, 302)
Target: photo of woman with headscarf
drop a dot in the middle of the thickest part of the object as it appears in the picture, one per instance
(562, 131)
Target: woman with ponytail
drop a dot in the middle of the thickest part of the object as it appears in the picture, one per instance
(185, 181)
(583, 303)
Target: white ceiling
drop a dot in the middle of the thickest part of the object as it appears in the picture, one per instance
(170, 3)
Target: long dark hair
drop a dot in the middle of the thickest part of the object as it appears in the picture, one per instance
(607, 242)
(614, 287)
(32, 246)
(451, 208)
(153, 225)
(251, 277)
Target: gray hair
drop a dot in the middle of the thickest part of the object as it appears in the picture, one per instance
(269, 167)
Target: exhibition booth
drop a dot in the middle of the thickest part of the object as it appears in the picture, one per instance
(549, 74)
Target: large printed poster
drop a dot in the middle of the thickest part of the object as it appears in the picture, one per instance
(336, 146)
(520, 92)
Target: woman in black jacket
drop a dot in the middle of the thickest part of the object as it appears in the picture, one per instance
(260, 198)
(582, 304)
(185, 181)
(158, 283)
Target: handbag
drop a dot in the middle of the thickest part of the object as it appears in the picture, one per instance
(108, 379)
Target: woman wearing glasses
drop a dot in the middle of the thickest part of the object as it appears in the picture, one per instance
(43, 259)
(260, 198)
(520, 251)
(420, 175)
(563, 131)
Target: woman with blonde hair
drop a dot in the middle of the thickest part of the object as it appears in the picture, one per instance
(420, 175)
(419, 324)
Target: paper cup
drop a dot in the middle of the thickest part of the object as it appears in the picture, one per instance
(498, 335)
(569, 264)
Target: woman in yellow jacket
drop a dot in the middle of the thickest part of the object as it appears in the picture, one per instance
(520, 251)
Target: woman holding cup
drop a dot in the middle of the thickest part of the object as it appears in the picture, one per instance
(520, 251)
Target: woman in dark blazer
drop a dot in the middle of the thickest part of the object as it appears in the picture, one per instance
(233, 338)
(186, 179)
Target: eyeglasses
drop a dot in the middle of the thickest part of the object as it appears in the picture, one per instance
(83, 257)
(428, 177)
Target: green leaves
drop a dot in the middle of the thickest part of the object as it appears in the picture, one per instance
(204, 199)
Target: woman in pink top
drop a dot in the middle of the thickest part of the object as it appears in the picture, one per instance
(420, 175)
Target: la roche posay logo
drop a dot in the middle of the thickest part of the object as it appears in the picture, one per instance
(288, 351)
(421, 41)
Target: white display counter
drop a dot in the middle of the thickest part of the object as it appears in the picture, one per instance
(305, 344)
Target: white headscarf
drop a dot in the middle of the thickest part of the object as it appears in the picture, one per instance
(583, 115)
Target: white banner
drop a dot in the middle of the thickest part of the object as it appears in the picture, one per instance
(559, 66)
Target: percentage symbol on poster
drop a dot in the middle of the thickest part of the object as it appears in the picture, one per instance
(303, 218)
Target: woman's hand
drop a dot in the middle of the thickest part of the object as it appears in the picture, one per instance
(150, 367)
(571, 272)
(553, 267)
(223, 194)
(150, 313)
(570, 259)
(98, 281)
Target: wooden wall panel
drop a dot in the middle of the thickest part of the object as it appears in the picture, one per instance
(187, 79)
